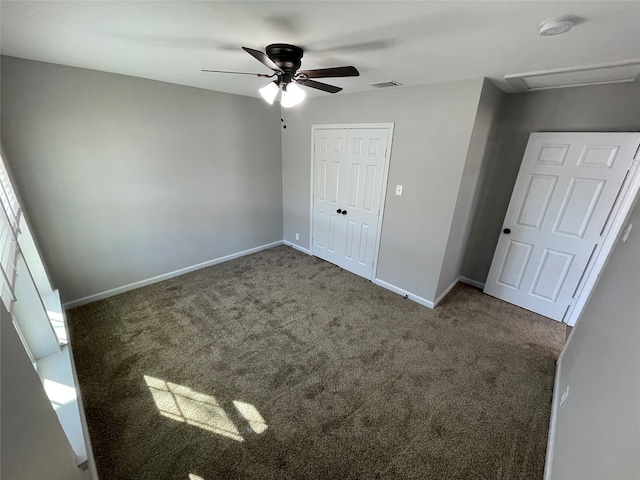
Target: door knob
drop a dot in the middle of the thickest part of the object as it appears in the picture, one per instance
(344, 212)
(507, 231)
(339, 210)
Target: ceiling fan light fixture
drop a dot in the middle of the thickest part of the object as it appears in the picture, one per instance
(269, 92)
(284, 60)
(292, 95)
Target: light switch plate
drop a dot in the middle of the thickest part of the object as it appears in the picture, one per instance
(399, 190)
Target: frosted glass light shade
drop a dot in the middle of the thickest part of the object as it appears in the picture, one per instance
(269, 92)
(293, 95)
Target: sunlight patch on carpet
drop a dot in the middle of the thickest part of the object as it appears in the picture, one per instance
(252, 416)
(185, 405)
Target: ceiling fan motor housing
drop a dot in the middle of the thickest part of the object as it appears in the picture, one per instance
(287, 57)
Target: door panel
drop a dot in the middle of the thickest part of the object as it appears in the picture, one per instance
(599, 156)
(565, 190)
(370, 191)
(334, 181)
(551, 274)
(365, 165)
(353, 185)
(551, 154)
(536, 200)
(321, 185)
(329, 163)
(577, 207)
(514, 263)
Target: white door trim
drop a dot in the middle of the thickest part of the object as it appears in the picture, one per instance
(621, 209)
(385, 176)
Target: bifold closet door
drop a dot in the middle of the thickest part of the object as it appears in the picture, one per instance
(349, 169)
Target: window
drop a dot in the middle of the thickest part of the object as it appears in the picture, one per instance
(9, 228)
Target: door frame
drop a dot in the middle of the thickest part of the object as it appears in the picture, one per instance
(385, 177)
(629, 194)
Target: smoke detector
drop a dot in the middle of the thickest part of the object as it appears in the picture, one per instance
(556, 26)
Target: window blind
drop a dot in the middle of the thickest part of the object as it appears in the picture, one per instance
(9, 229)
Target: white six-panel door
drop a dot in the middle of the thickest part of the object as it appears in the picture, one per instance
(349, 180)
(564, 193)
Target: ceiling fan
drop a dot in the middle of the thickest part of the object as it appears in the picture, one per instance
(285, 61)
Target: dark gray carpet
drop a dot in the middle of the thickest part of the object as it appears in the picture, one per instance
(282, 366)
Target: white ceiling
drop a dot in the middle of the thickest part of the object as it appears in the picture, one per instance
(414, 42)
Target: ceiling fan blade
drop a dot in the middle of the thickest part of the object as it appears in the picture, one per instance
(239, 73)
(319, 85)
(262, 57)
(331, 72)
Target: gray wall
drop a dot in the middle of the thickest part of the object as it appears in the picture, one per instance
(433, 126)
(598, 426)
(125, 178)
(34, 445)
(606, 108)
(482, 140)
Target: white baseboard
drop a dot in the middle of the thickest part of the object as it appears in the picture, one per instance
(555, 405)
(165, 276)
(424, 301)
(404, 293)
(297, 247)
(445, 293)
(472, 282)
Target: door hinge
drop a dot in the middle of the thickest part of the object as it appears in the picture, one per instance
(600, 240)
(573, 302)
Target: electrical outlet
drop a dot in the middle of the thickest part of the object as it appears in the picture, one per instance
(399, 190)
(297, 236)
(564, 395)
